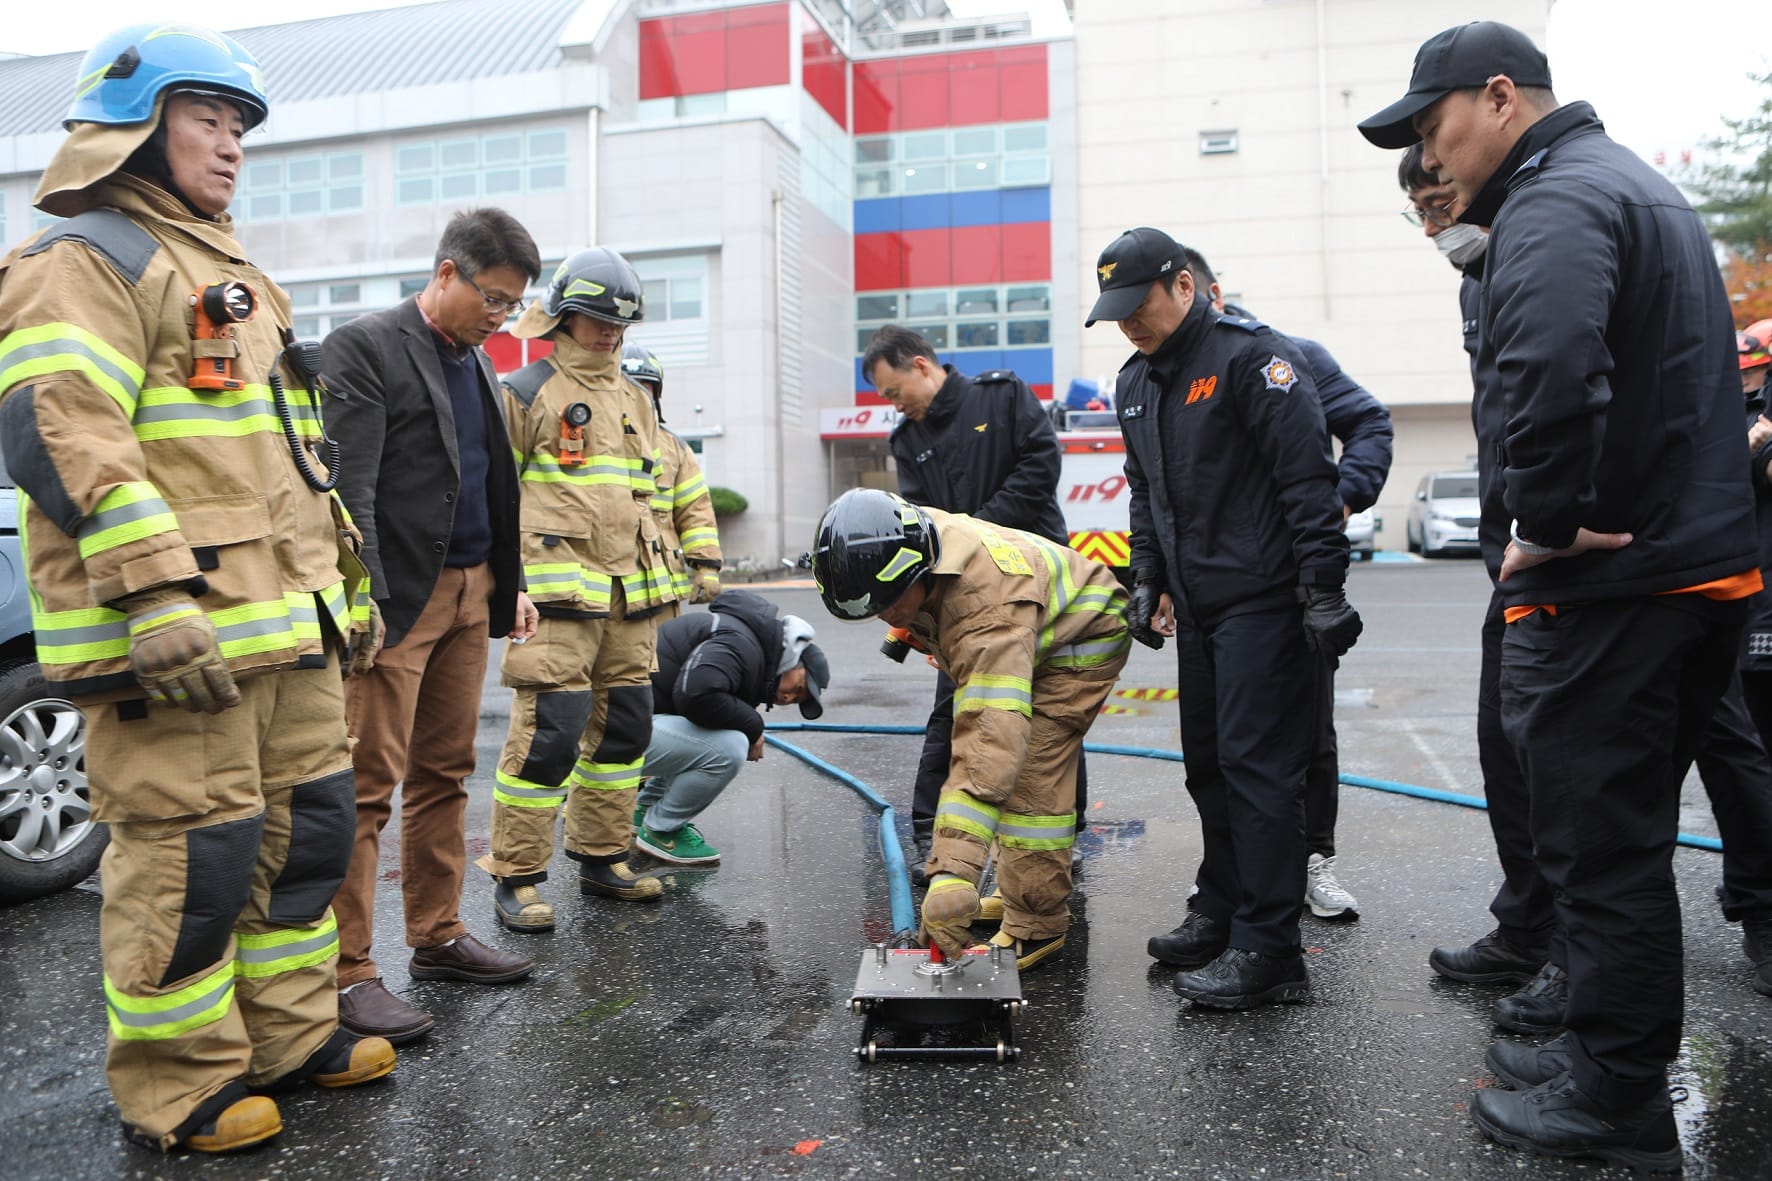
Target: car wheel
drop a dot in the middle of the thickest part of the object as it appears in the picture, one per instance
(1414, 545)
(48, 839)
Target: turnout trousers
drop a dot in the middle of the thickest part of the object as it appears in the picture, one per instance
(230, 833)
(558, 756)
(1249, 687)
(1606, 703)
(1033, 871)
(413, 717)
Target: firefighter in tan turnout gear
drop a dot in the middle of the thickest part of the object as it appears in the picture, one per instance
(684, 510)
(587, 444)
(182, 544)
(1033, 636)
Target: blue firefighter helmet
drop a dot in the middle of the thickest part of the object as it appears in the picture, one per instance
(124, 75)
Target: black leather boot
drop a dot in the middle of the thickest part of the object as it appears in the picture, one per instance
(1556, 1119)
(1241, 979)
(1196, 943)
(1490, 960)
(1538, 1007)
(1523, 1066)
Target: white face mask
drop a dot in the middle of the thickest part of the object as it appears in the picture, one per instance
(1462, 243)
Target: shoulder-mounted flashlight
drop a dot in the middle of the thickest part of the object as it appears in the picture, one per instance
(215, 310)
(573, 421)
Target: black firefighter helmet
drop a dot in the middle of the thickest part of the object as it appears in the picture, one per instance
(641, 364)
(598, 283)
(872, 546)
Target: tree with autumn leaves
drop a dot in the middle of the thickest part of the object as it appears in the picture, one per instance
(1736, 200)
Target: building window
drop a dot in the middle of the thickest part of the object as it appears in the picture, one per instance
(310, 184)
(465, 168)
(675, 286)
(321, 307)
(1011, 155)
(1017, 315)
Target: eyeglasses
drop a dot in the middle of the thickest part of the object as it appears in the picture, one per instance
(1439, 215)
(503, 306)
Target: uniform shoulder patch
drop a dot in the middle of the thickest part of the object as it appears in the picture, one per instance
(996, 375)
(526, 382)
(114, 236)
(1279, 374)
(1008, 559)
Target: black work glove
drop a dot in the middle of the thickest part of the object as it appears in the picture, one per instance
(1331, 625)
(1140, 609)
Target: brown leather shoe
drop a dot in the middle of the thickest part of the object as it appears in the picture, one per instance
(466, 958)
(370, 1010)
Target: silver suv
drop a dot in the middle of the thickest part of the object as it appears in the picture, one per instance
(1443, 516)
(48, 840)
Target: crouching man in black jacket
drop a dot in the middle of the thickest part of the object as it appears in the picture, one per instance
(714, 669)
(1237, 552)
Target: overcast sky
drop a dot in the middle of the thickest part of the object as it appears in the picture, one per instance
(1662, 73)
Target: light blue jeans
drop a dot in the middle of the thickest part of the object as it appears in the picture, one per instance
(687, 767)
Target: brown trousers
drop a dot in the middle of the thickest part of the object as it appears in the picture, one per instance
(554, 756)
(413, 718)
(229, 835)
(1035, 882)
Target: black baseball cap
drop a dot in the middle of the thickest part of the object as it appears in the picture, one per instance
(818, 676)
(1128, 267)
(1461, 57)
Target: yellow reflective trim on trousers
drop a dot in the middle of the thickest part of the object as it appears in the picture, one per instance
(587, 776)
(68, 348)
(1037, 832)
(958, 810)
(173, 412)
(991, 691)
(277, 952)
(158, 1018)
(944, 882)
(521, 793)
(127, 513)
(694, 538)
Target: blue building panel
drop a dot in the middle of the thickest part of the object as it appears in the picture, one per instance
(939, 211)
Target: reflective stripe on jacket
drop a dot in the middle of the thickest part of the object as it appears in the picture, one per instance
(684, 510)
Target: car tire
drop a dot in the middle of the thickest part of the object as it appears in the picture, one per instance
(48, 839)
(1414, 545)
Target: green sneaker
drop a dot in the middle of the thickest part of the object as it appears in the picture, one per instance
(683, 847)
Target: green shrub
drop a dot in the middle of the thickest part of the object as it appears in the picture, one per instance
(726, 502)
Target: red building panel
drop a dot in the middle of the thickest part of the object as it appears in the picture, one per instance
(707, 52)
(876, 96)
(879, 262)
(978, 254)
(950, 90)
(824, 72)
(1027, 252)
(759, 46)
(929, 257)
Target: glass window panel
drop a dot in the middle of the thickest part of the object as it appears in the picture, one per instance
(459, 153)
(691, 105)
(411, 287)
(1028, 137)
(267, 174)
(873, 151)
(975, 141)
(876, 307)
(685, 299)
(975, 173)
(416, 191)
(874, 182)
(926, 178)
(306, 204)
(862, 336)
(341, 321)
(658, 297)
(1030, 331)
(926, 145)
(265, 207)
(935, 334)
(546, 144)
(306, 170)
(1027, 170)
(416, 158)
(926, 303)
(346, 198)
(304, 295)
(502, 149)
(975, 301)
(1030, 299)
(982, 335)
(504, 180)
(460, 184)
(344, 165)
(547, 176)
(307, 326)
(343, 293)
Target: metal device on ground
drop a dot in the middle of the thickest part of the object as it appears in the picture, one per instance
(916, 993)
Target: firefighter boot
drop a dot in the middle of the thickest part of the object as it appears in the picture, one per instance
(522, 909)
(228, 1121)
(343, 1060)
(611, 876)
(1027, 952)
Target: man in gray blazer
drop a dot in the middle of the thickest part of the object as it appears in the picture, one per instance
(428, 476)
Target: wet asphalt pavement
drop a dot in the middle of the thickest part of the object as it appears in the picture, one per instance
(709, 1034)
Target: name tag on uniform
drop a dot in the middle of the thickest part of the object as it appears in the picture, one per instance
(1133, 411)
(1008, 559)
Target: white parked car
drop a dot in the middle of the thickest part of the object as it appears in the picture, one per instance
(1361, 529)
(1443, 515)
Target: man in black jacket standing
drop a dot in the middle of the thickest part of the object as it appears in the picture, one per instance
(715, 667)
(975, 445)
(1609, 441)
(1237, 552)
(428, 477)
